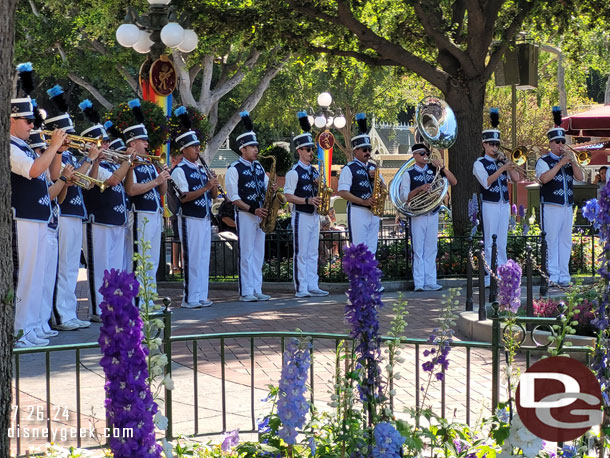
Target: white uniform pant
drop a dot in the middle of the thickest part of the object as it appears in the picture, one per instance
(495, 221)
(363, 227)
(70, 233)
(104, 252)
(195, 235)
(50, 279)
(557, 223)
(31, 247)
(128, 251)
(251, 241)
(424, 236)
(306, 240)
(152, 233)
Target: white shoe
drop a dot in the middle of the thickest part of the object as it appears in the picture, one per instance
(95, 318)
(206, 303)
(262, 297)
(25, 343)
(432, 287)
(248, 298)
(70, 325)
(303, 294)
(418, 288)
(318, 292)
(48, 331)
(191, 305)
(83, 324)
(37, 341)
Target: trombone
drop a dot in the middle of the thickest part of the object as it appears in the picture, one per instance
(75, 141)
(85, 181)
(582, 157)
(518, 157)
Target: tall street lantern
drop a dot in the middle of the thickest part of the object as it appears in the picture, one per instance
(325, 140)
(151, 33)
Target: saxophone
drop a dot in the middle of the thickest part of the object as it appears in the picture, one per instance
(324, 192)
(380, 193)
(274, 200)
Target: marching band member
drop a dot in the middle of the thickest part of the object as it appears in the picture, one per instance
(493, 180)
(145, 186)
(108, 215)
(31, 205)
(247, 183)
(356, 186)
(300, 189)
(194, 224)
(72, 213)
(57, 191)
(424, 228)
(557, 171)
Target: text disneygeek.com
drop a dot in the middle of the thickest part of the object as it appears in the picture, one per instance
(57, 434)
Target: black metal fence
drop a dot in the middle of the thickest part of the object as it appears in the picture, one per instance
(232, 369)
(393, 252)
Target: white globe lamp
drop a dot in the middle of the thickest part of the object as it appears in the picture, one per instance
(189, 41)
(320, 121)
(340, 122)
(325, 99)
(311, 120)
(172, 34)
(127, 35)
(159, 2)
(144, 43)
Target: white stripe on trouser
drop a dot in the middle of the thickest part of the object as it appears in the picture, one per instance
(48, 287)
(306, 230)
(251, 239)
(152, 233)
(557, 223)
(128, 250)
(70, 231)
(107, 253)
(495, 221)
(424, 234)
(196, 272)
(32, 248)
(363, 227)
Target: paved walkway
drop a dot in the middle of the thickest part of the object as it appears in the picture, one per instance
(467, 393)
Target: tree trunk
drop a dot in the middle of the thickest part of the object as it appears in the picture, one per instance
(607, 92)
(467, 104)
(7, 24)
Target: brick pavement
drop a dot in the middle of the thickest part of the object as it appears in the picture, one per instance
(284, 313)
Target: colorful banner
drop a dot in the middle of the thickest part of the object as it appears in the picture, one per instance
(325, 142)
(165, 102)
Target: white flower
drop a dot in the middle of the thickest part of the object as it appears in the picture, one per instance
(167, 449)
(168, 382)
(161, 421)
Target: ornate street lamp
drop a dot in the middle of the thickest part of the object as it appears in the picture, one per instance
(152, 32)
(326, 118)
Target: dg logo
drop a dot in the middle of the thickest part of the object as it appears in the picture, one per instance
(559, 399)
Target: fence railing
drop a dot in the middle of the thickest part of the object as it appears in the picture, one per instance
(210, 363)
(394, 248)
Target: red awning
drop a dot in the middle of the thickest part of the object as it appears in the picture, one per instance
(592, 123)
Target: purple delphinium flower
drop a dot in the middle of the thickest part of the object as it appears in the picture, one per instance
(568, 451)
(473, 211)
(442, 338)
(591, 212)
(521, 211)
(513, 209)
(292, 406)
(388, 441)
(129, 402)
(360, 266)
(509, 286)
(230, 440)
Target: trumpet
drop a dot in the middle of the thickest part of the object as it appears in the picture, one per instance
(582, 157)
(75, 141)
(85, 181)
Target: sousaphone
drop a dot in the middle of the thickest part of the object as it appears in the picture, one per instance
(437, 126)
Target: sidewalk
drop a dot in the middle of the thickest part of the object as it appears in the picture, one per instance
(283, 313)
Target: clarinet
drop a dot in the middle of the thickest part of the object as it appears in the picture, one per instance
(171, 183)
(221, 192)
